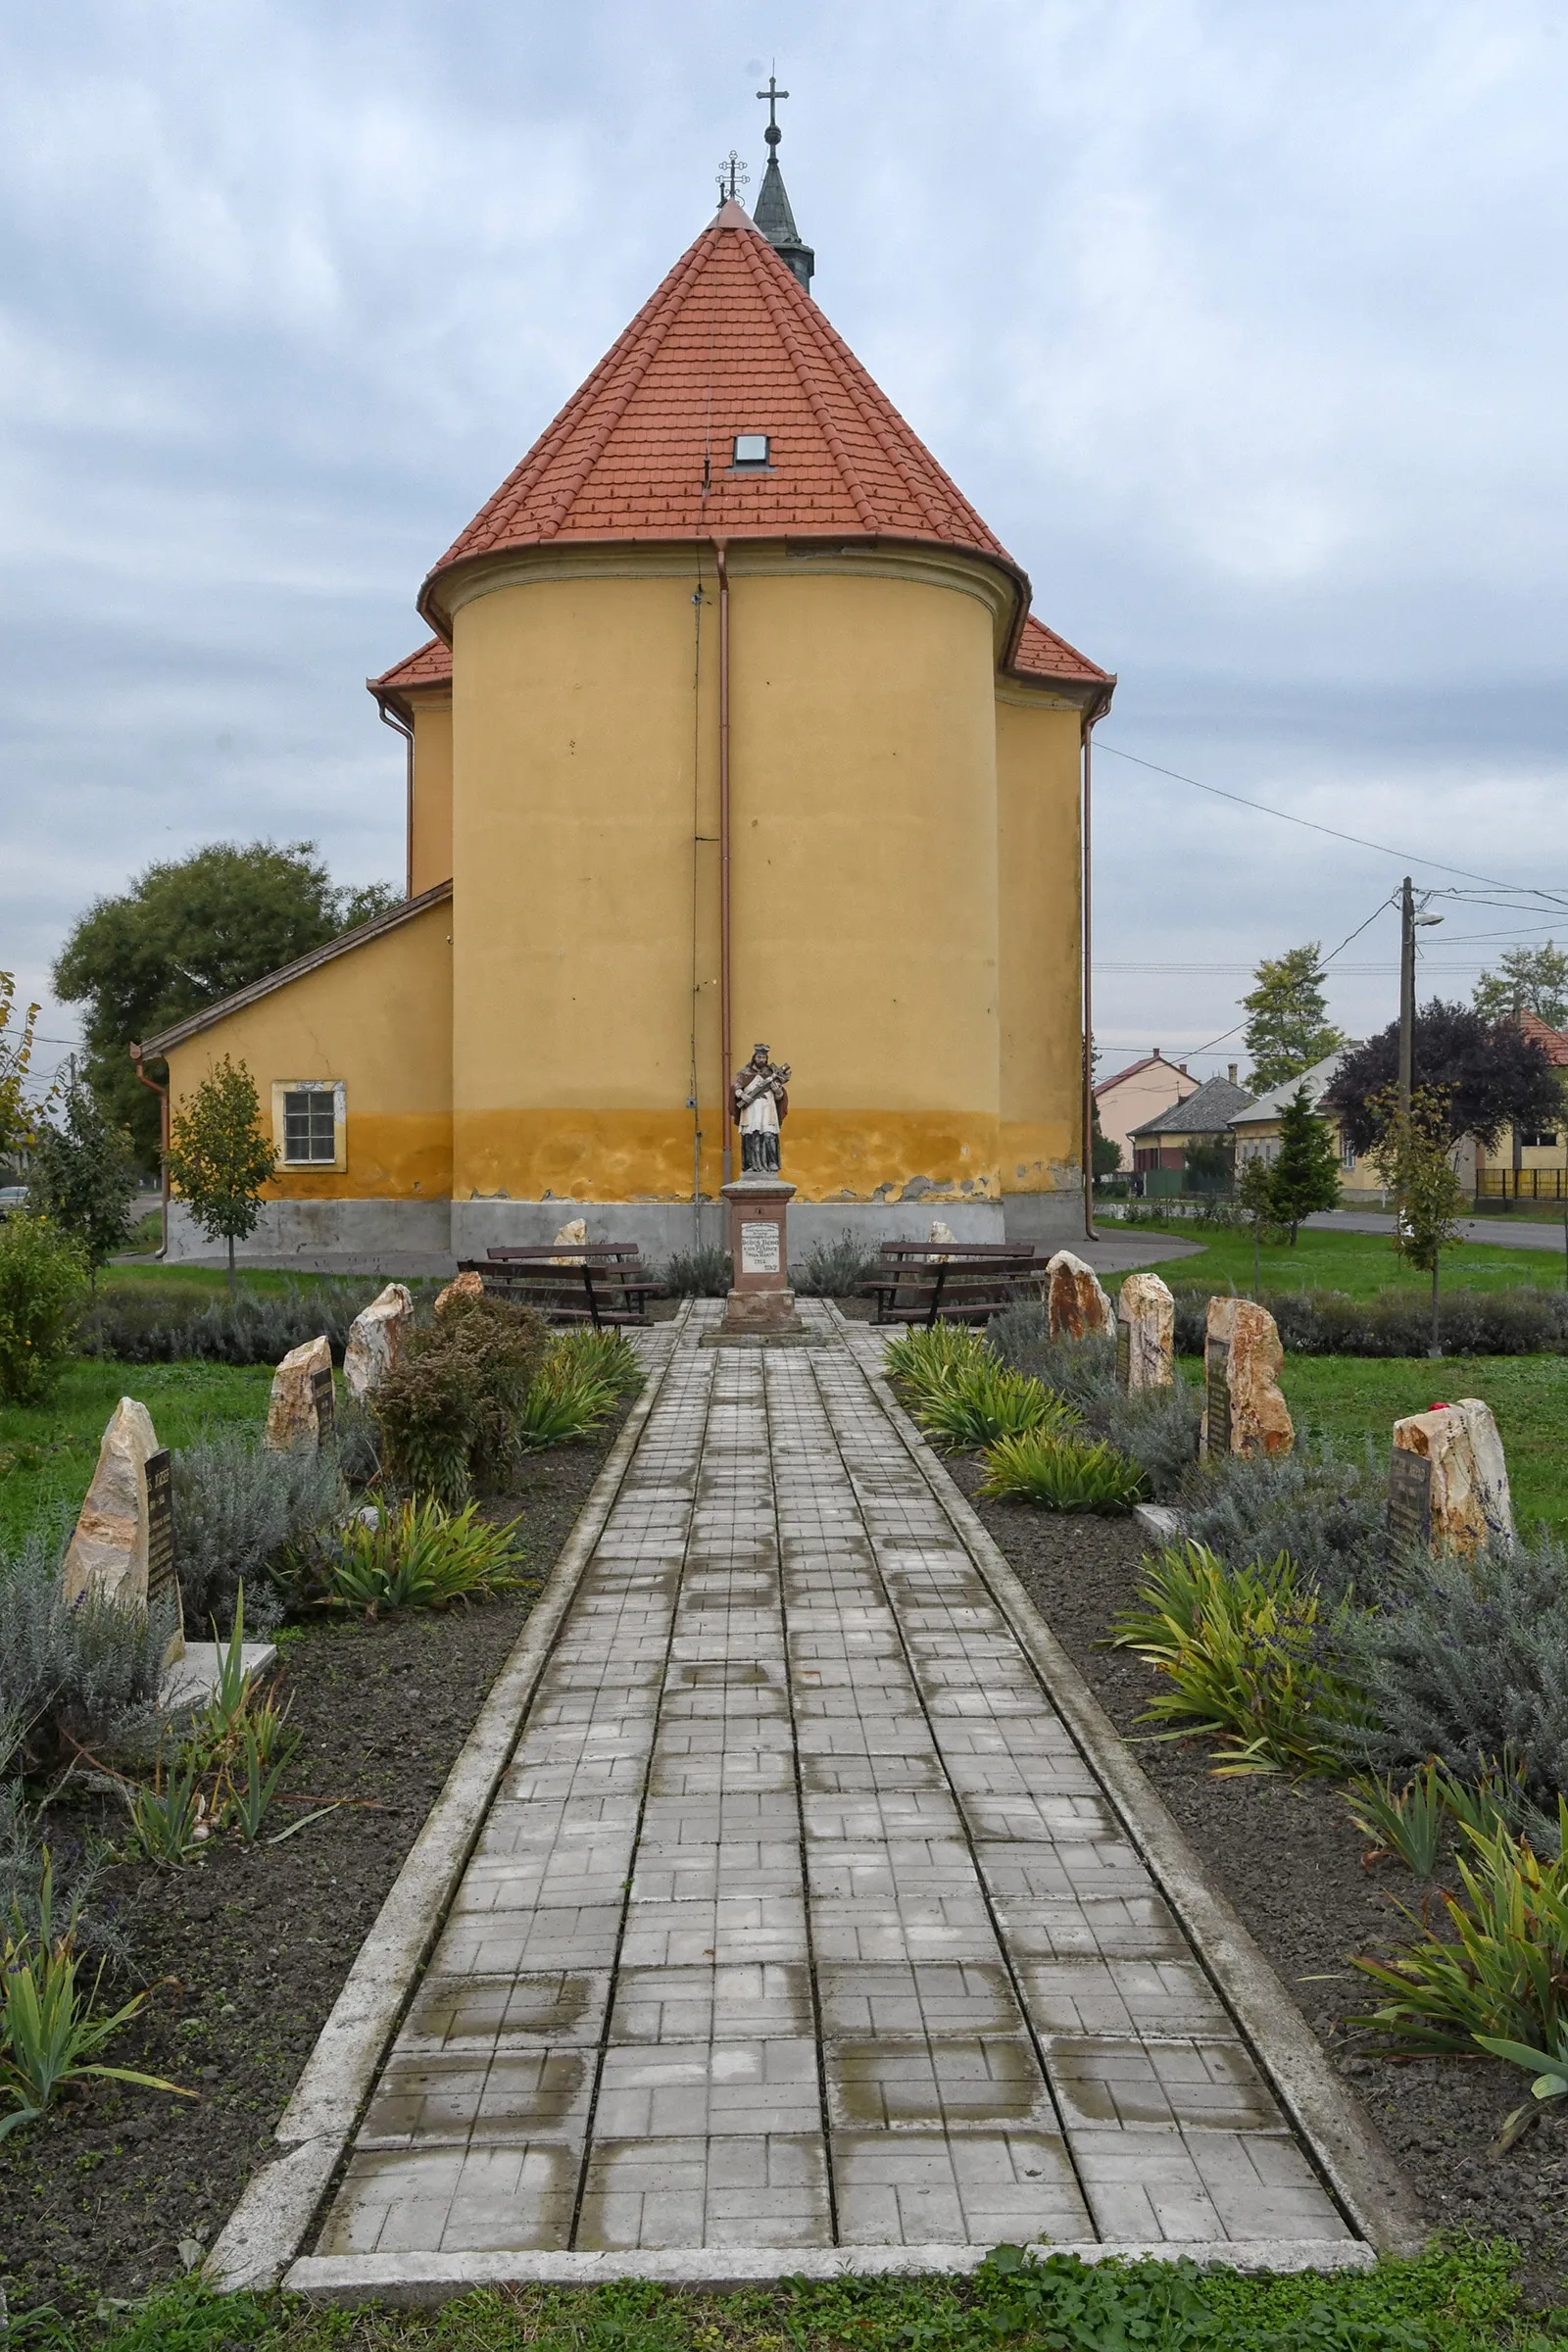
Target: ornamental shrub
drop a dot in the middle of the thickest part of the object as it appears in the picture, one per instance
(450, 1411)
(1061, 1473)
(697, 1274)
(159, 1322)
(86, 1671)
(1522, 1321)
(43, 1283)
(1328, 1514)
(237, 1509)
(834, 1269)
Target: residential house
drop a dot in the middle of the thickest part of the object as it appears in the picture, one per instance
(1136, 1093)
(1202, 1122)
(1533, 1164)
(1257, 1131)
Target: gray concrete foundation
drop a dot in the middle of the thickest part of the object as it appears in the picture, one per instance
(327, 1236)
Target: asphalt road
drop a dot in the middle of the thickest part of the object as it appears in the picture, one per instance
(1507, 1233)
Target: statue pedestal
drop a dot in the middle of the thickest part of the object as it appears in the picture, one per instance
(760, 1303)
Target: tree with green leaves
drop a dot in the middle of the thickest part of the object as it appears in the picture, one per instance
(1254, 1194)
(1306, 1175)
(186, 934)
(1288, 1028)
(18, 1120)
(219, 1159)
(83, 1174)
(1527, 980)
(1413, 1153)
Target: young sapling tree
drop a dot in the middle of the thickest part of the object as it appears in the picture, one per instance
(219, 1159)
(83, 1175)
(1254, 1193)
(1412, 1154)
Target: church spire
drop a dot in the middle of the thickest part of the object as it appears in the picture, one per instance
(773, 214)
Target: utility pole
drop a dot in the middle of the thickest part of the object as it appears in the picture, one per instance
(1406, 996)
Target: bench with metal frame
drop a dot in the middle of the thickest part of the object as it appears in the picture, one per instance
(951, 1282)
(604, 1284)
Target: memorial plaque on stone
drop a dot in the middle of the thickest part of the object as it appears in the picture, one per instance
(1124, 1354)
(759, 1248)
(326, 1403)
(1217, 1368)
(1410, 1497)
(161, 1576)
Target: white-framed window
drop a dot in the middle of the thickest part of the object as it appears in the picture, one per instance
(1346, 1154)
(309, 1122)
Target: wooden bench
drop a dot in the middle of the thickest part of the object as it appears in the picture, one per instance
(951, 1282)
(605, 1283)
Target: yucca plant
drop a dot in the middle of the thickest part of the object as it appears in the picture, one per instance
(566, 1403)
(1060, 1474)
(981, 1403)
(607, 1356)
(1501, 1973)
(172, 1818)
(1242, 1648)
(49, 2029)
(419, 1556)
(919, 1363)
(1408, 1822)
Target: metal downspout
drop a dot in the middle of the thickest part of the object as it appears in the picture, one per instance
(162, 1092)
(1088, 982)
(721, 561)
(400, 727)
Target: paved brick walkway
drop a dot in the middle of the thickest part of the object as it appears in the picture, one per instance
(800, 1919)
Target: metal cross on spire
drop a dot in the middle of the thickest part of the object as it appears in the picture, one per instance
(732, 174)
(772, 135)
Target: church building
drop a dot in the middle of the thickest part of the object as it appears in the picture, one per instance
(735, 724)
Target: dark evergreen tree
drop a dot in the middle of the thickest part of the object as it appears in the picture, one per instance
(1306, 1175)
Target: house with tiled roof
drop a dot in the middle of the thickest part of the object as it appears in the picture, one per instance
(1178, 1150)
(1532, 1164)
(1259, 1129)
(734, 721)
(1129, 1095)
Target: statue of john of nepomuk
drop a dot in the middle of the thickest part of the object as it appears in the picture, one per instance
(759, 1104)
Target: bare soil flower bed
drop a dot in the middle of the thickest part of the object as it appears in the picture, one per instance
(245, 1952)
(1290, 1860)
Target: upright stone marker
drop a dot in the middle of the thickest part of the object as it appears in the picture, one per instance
(124, 1546)
(375, 1339)
(574, 1234)
(1242, 1357)
(300, 1411)
(1466, 1478)
(1075, 1301)
(108, 1552)
(1410, 1496)
(470, 1285)
(1146, 1334)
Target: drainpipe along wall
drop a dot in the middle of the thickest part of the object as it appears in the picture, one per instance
(162, 1092)
(1087, 1140)
(390, 719)
(722, 567)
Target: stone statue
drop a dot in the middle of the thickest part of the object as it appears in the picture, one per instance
(760, 1104)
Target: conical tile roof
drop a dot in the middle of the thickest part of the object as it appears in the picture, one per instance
(729, 343)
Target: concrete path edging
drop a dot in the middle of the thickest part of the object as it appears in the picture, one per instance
(1358, 2169)
(267, 2228)
(415, 2280)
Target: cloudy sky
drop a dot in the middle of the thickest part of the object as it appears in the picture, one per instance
(1243, 324)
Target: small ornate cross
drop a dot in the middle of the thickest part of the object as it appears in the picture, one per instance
(772, 135)
(732, 173)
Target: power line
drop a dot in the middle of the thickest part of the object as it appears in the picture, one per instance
(1358, 841)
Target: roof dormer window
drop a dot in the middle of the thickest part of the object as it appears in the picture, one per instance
(751, 452)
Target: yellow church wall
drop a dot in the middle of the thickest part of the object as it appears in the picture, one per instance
(864, 874)
(1038, 754)
(377, 1017)
(431, 836)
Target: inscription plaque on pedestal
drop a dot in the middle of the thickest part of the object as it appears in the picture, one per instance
(1124, 1354)
(1217, 1371)
(159, 1526)
(1410, 1497)
(759, 1247)
(326, 1403)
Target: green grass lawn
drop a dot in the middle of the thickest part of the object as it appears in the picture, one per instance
(48, 1450)
(1353, 1398)
(1360, 1263)
(210, 1279)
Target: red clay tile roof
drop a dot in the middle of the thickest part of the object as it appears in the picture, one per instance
(1042, 653)
(729, 343)
(1554, 1041)
(431, 665)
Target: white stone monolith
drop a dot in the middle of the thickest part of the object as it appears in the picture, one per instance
(1242, 1359)
(1146, 1334)
(301, 1409)
(1466, 1499)
(375, 1339)
(1075, 1303)
(574, 1235)
(108, 1553)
